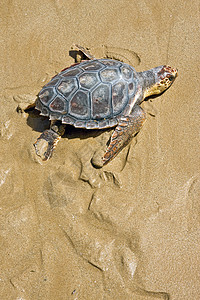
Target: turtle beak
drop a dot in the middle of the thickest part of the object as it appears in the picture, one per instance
(175, 73)
(169, 72)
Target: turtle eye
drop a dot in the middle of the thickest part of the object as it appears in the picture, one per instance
(171, 78)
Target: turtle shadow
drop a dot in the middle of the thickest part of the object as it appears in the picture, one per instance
(71, 132)
(40, 123)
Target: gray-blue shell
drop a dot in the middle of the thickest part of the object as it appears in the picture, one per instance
(92, 94)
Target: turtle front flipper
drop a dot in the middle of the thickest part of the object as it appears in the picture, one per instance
(127, 127)
(48, 140)
(85, 52)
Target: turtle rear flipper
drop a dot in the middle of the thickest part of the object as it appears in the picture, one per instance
(48, 140)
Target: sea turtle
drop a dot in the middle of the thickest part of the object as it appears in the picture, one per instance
(97, 94)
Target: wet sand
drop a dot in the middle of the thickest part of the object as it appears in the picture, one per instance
(130, 230)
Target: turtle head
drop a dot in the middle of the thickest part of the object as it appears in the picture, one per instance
(159, 79)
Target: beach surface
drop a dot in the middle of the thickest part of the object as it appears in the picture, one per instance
(131, 229)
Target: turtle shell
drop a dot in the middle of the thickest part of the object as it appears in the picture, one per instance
(91, 94)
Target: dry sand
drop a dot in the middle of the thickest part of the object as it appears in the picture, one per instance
(132, 229)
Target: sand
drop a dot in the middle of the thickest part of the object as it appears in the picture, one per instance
(130, 230)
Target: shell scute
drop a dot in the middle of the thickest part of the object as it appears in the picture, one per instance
(71, 72)
(44, 111)
(92, 66)
(68, 86)
(91, 124)
(88, 80)
(79, 105)
(80, 124)
(131, 88)
(101, 102)
(127, 72)
(53, 82)
(58, 105)
(46, 95)
(109, 75)
(66, 119)
(111, 63)
(119, 96)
